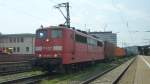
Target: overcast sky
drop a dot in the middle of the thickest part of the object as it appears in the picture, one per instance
(130, 19)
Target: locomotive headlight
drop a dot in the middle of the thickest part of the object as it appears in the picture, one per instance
(57, 48)
(55, 55)
(47, 40)
(40, 55)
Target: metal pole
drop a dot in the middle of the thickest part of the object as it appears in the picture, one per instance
(68, 15)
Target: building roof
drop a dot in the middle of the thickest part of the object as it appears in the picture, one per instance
(18, 35)
(101, 32)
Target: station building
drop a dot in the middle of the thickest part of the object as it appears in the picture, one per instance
(106, 36)
(17, 43)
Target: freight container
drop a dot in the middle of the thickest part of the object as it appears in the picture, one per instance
(109, 50)
(119, 52)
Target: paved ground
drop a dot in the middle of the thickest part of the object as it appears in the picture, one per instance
(138, 73)
(112, 75)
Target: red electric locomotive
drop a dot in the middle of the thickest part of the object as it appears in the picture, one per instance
(58, 46)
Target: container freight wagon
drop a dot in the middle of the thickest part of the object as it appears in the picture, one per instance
(119, 52)
(109, 50)
(132, 51)
(60, 46)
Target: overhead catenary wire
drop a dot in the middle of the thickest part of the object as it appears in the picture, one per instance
(123, 19)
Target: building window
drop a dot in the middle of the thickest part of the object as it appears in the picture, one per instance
(1, 40)
(17, 39)
(22, 40)
(14, 49)
(10, 40)
(14, 39)
(27, 49)
(18, 49)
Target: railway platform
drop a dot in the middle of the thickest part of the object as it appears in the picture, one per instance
(138, 73)
(135, 72)
(112, 76)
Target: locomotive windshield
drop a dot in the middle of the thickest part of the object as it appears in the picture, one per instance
(41, 33)
(56, 33)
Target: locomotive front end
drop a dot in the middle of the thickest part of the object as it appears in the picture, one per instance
(49, 47)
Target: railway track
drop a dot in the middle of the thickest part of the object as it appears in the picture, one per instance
(110, 76)
(31, 77)
(14, 67)
(10, 63)
(96, 76)
(16, 58)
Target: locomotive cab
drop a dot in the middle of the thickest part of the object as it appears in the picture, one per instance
(48, 43)
(49, 46)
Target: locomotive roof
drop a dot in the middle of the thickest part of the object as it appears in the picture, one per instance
(73, 29)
